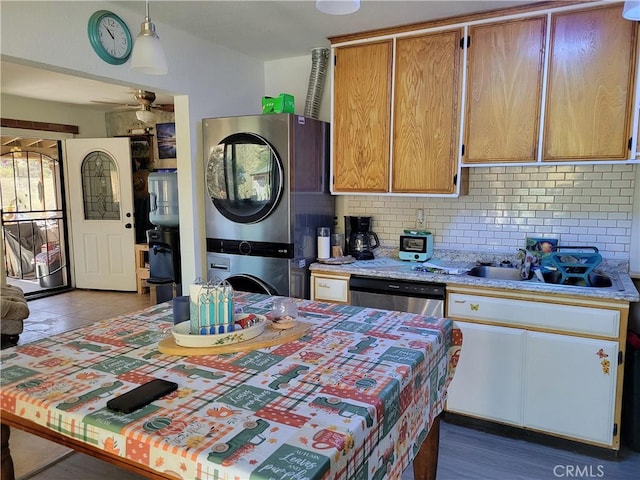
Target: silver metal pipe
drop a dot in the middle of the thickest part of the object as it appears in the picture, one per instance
(319, 61)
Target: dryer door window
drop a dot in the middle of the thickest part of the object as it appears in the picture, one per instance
(244, 177)
(249, 283)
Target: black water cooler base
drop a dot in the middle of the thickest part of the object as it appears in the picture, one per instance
(164, 264)
(164, 291)
(631, 399)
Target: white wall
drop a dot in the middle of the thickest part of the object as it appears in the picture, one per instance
(291, 75)
(91, 121)
(207, 80)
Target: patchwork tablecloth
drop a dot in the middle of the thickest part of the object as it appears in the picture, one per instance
(353, 398)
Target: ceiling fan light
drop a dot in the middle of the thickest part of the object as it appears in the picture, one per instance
(148, 55)
(631, 10)
(338, 7)
(145, 116)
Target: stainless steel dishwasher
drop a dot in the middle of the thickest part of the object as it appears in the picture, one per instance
(424, 298)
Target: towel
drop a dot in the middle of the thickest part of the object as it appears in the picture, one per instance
(14, 310)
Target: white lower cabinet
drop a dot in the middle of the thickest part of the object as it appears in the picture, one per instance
(484, 384)
(570, 385)
(542, 365)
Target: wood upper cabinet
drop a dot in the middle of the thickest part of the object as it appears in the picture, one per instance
(504, 91)
(544, 85)
(426, 102)
(590, 85)
(361, 117)
(425, 113)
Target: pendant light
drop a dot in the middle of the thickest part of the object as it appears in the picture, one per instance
(148, 56)
(631, 10)
(338, 7)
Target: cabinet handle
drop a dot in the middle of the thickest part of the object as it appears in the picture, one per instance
(459, 301)
(323, 285)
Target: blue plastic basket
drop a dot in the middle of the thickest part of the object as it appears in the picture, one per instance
(574, 262)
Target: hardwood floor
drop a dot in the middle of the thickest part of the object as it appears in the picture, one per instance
(67, 311)
(465, 453)
(470, 454)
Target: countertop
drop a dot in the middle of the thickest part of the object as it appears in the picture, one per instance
(390, 266)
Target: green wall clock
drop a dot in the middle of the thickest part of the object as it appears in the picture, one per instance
(110, 37)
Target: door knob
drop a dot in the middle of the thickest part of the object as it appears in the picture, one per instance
(127, 225)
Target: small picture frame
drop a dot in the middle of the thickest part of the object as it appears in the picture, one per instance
(166, 138)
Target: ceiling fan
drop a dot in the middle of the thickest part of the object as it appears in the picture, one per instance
(144, 103)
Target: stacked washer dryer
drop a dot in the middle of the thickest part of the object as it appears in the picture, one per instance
(267, 193)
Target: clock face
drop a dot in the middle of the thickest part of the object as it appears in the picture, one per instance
(110, 37)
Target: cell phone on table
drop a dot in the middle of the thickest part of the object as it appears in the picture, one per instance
(141, 396)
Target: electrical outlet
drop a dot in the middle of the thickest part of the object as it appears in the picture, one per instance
(420, 217)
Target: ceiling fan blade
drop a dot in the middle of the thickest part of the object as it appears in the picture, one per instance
(144, 100)
(115, 104)
(165, 107)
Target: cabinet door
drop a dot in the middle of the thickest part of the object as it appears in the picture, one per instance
(590, 79)
(329, 288)
(488, 379)
(425, 113)
(570, 386)
(361, 117)
(504, 88)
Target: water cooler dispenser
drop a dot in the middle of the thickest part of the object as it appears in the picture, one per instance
(164, 240)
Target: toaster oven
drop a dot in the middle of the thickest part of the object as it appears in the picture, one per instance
(416, 246)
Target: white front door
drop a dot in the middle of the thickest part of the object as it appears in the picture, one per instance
(101, 213)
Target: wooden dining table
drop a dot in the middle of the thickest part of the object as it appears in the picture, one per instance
(358, 395)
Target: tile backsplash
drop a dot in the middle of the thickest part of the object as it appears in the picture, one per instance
(579, 204)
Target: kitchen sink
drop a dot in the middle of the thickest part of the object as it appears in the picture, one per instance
(496, 273)
(596, 280)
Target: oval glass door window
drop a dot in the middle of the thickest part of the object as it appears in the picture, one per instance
(244, 178)
(100, 187)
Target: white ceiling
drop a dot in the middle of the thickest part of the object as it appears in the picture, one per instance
(267, 30)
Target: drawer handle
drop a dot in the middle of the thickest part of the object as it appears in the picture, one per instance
(474, 307)
(459, 301)
(323, 285)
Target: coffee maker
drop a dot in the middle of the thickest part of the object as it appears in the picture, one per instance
(360, 239)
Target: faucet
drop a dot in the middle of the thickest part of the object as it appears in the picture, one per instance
(527, 260)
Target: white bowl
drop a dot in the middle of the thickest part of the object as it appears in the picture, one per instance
(183, 337)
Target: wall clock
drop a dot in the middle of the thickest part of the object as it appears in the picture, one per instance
(110, 37)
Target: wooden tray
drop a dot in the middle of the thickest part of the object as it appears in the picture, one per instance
(337, 260)
(269, 337)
